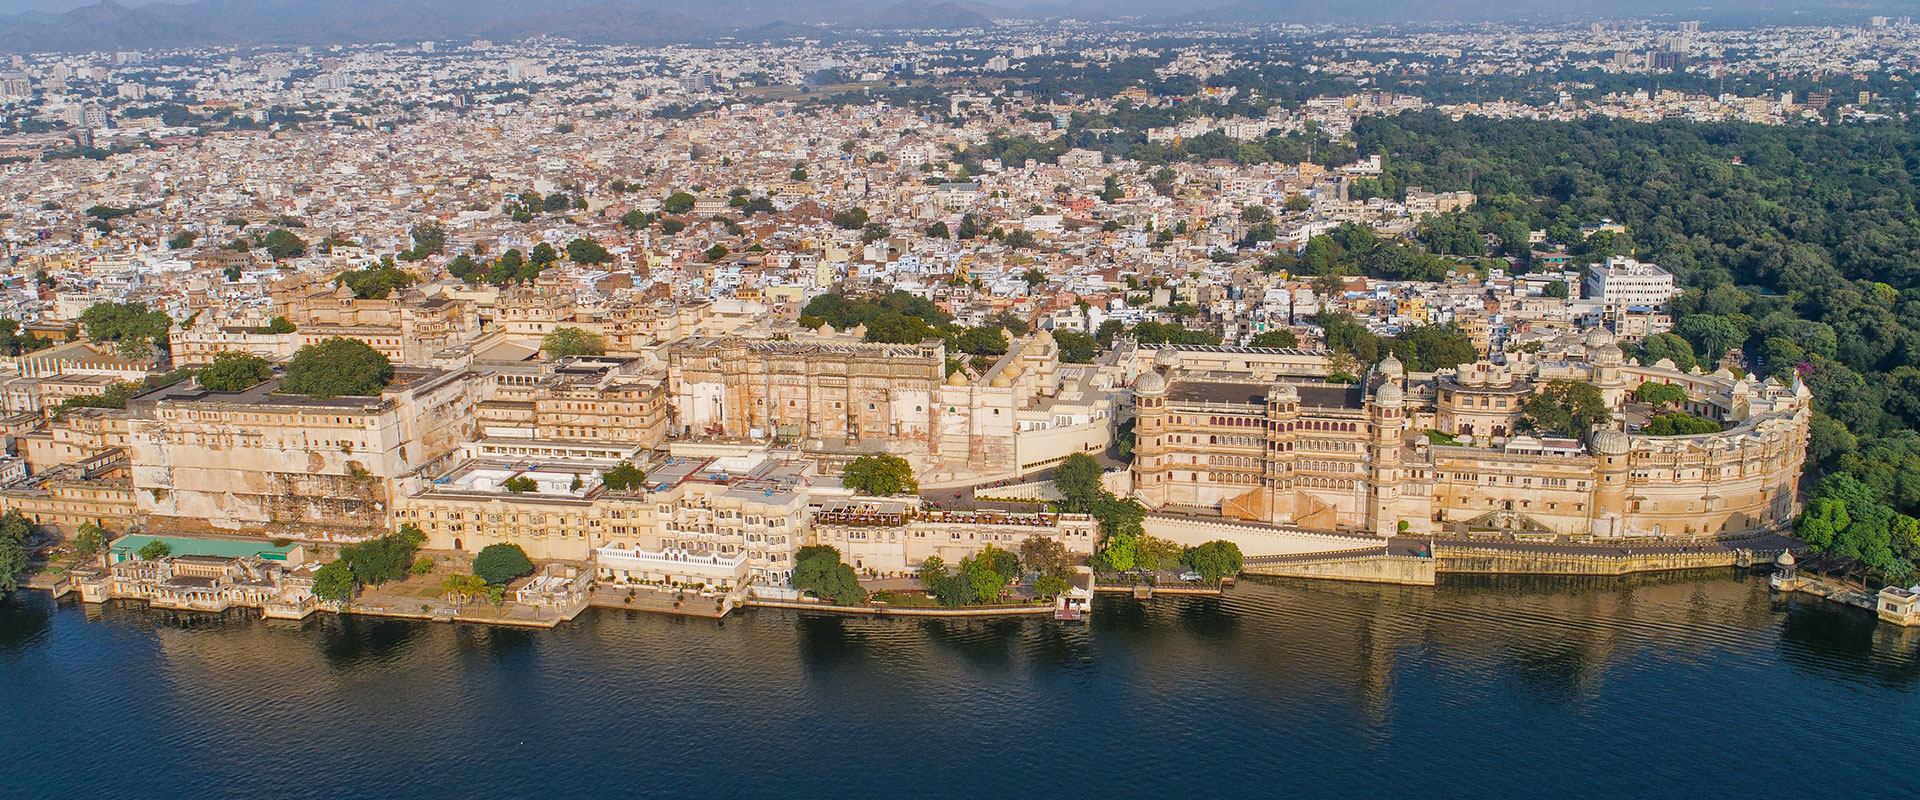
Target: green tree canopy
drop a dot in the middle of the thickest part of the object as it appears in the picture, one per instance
(233, 371)
(570, 341)
(1568, 408)
(818, 569)
(376, 282)
(1077, 479)
(337, 367)
(1664, 395)
(1215, 560)
(587, 250)
(880, 475)
(334, 582)
(501, 564)
(15, 531)
(624, 477)
(1280, 337)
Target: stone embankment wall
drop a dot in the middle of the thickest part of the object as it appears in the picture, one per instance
(1469, 559)
(1376, 568)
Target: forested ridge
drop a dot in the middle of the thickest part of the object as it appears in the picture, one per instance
(1799, 245)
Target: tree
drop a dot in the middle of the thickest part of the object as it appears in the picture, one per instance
(1680, 425)
(543, 254)
(987, 582)
(14, 533)
(1667, 346)
(126, 324)
(383, 558)
(461, 588)
(334, 582)
(852, 219)
(375, 283)
(938, 230)
(624, 477)
(1077, 479)
(1215, 560)
(1660, 395)
(278, 325)
(880, 475)
(1556, 289)
(500, 564)
(1048, 587)
(182, 240)
(155, 549)
(1153, 553)
(89, 539)
(715, 253)
(283, 244)
(520, 484)
(1045, 555)
(1569, 408)
(586, 250)
(570, 341)
(233, 371)
(1281, 338)
(337, 367)
(1432, 347)
(1076, 347)
(635, 220)
(819, 570)
(678, 203)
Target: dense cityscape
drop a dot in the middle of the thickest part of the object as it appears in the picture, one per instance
(764, 321)
(957, 377)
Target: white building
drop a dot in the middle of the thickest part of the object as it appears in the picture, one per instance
(1622, 282)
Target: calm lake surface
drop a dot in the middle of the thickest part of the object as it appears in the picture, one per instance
(1697, 685)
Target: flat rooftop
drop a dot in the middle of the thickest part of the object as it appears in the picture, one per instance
(198, 546)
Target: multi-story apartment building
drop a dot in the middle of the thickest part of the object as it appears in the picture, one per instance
(1621, 282)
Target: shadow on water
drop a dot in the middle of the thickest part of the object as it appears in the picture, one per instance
(348, 640)
(25, 619)
(1822, 637)
(495, 640)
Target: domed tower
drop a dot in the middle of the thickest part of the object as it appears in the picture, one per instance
(1607, 360)
(1283, 410)
(1612, 458)
(1150, 462)
(1388, 417)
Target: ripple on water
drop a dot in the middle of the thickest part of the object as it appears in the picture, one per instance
(1699, 685)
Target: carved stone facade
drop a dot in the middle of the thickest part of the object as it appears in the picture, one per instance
(1324, 455)
(256, 460)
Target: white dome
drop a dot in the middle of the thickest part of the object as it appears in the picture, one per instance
(1785, 559)
(1392, 366)
(1166, 357)
(1599, 337)
(1150, 383)
(1610, 442)
(1389, 394)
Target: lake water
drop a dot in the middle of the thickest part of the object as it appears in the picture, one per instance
(1698, 685)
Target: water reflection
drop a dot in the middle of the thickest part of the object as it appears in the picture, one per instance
(1361, 690)
(25, 619)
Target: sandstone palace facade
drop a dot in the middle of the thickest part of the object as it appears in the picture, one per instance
(1445, 452)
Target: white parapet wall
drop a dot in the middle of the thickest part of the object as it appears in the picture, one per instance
(1254, 539)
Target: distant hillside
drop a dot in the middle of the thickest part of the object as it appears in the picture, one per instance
(923, 15)
(107, 25)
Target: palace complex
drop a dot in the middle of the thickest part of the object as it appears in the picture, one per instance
(1244, 433)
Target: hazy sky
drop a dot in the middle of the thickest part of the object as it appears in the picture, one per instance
(18, 6)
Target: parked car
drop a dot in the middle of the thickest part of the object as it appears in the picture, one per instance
(1190, 576)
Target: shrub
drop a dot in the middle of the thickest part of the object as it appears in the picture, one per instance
(500, 564)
